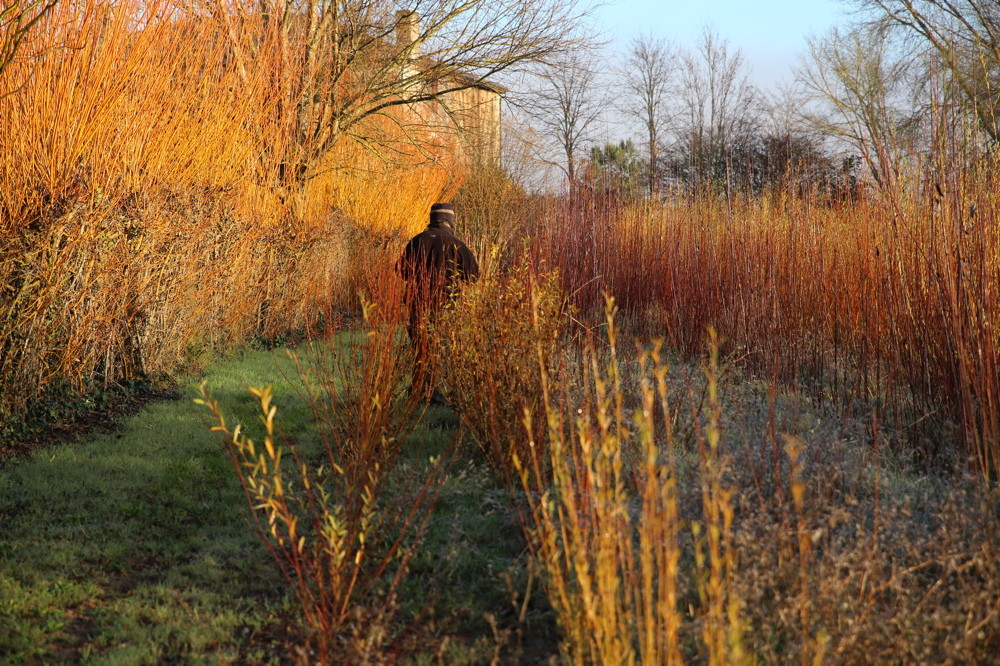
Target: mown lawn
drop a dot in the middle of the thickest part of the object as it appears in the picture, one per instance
(134, 547)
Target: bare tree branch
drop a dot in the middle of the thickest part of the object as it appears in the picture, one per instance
(966, 36)
(567, 104)
(717, 102)
(648, 79)
(347, 65)
(861, 86)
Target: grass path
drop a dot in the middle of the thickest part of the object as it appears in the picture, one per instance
(133, 547)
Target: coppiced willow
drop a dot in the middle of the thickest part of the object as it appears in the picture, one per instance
(140, 224)
(337, 537)
(893, 297)
(603, 520)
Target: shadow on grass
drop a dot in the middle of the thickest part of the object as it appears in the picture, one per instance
(134, 546)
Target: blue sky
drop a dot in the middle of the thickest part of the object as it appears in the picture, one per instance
(771, 33)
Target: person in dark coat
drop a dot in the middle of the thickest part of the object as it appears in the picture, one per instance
(434, 265)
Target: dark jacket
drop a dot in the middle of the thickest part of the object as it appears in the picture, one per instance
(435, 260)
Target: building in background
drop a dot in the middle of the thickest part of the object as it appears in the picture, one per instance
(467, 106)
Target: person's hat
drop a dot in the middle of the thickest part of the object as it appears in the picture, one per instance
(443, 213)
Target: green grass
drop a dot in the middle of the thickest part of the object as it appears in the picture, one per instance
(134, 547)
(466, 583)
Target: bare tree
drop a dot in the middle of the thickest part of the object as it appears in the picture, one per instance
(349, 67)
(861, 87)
(718, 102)
(966, 36)
(782, 109)
(648, 80)
(567, 103)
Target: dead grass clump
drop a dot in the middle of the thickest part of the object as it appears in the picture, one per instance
(907, 575)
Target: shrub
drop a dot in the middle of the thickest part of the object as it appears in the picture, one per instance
(489, 346)
(601, 489)
(340, 544)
